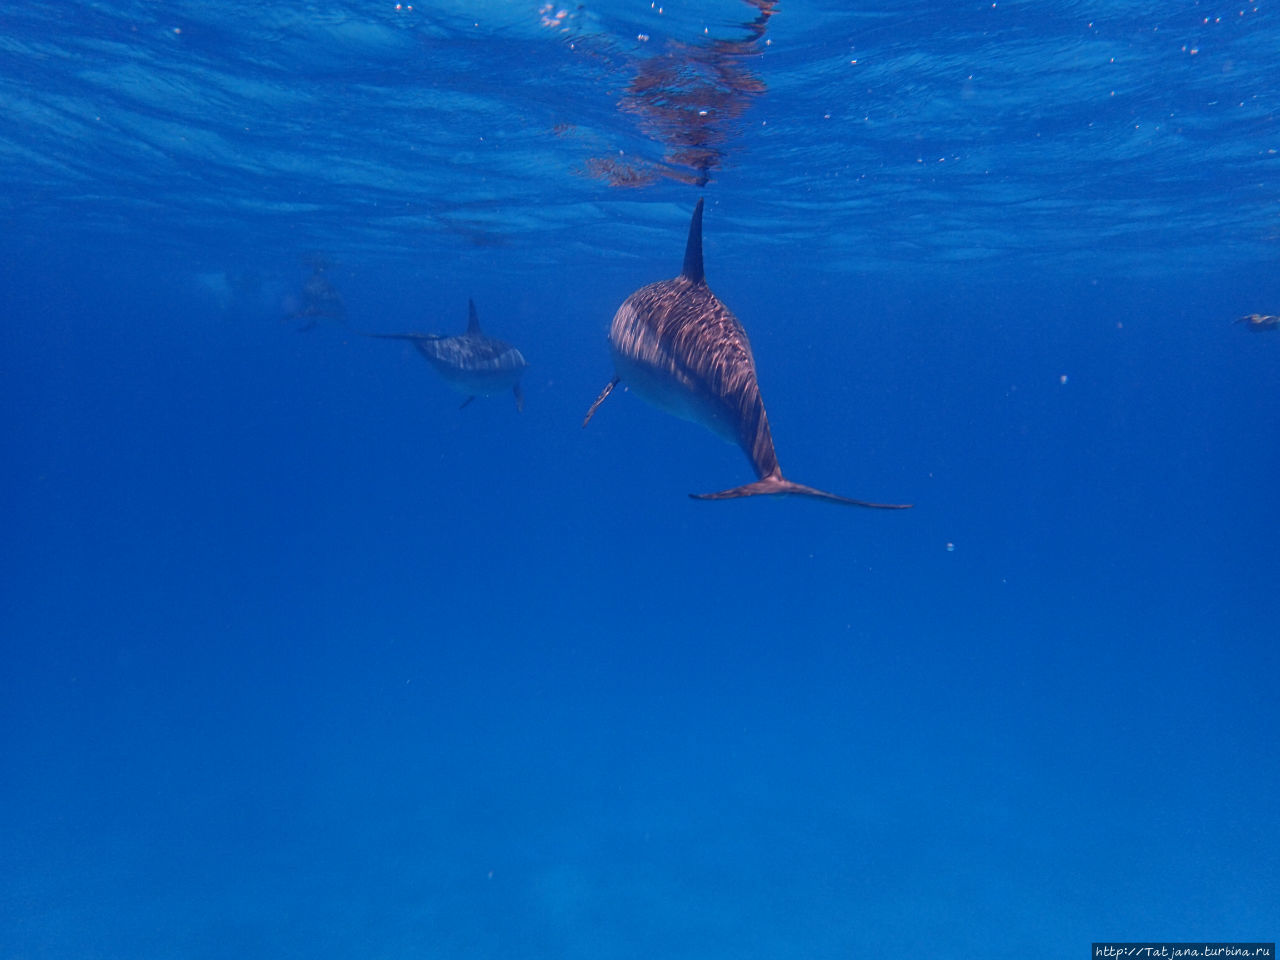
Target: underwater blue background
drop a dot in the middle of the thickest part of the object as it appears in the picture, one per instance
(302, 660)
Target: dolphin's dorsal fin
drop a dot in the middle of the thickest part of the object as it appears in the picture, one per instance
(473, 322)
(693, 249)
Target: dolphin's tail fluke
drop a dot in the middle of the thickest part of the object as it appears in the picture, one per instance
(779, 486)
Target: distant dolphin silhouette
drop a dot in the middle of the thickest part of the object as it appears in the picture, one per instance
(319, 301)
(471, 363)
(685, 352)
(1260, 321)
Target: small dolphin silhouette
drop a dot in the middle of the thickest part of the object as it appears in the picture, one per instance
(1260, 321)
(471, 363)
(685, 352)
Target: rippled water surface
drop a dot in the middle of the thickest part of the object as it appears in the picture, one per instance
(1103, 136)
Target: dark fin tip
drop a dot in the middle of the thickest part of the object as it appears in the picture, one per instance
(693, 249)
(473, 322)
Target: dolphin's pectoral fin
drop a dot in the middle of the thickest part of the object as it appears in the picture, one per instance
(465, 402)
(778, 486)
(401, 336)
(599, 400)
(515, 388)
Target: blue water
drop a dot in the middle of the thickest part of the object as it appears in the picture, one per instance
(302, 660)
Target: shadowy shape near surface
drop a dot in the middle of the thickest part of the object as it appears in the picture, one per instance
(319, 301)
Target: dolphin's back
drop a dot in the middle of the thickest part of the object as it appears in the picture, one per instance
(473, 354)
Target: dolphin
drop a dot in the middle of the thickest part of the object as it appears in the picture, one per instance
(319, 301)
(685, 352)
(1260, 321)
(470, 363)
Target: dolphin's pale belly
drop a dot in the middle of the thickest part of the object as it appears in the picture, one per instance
(670, 389)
